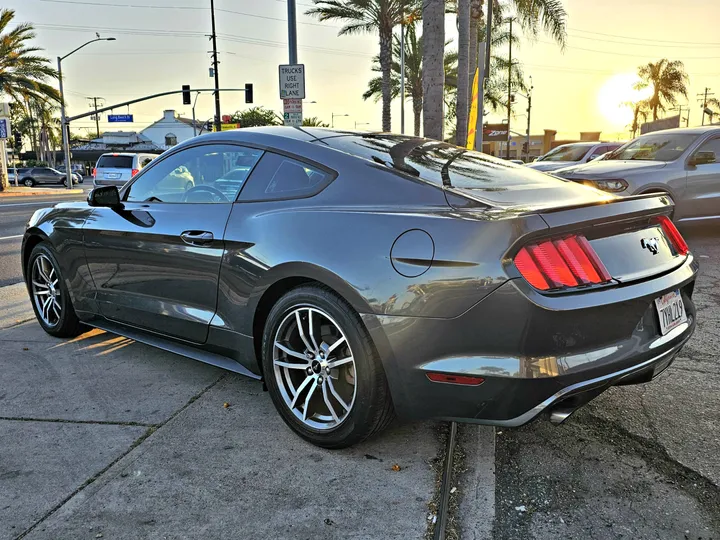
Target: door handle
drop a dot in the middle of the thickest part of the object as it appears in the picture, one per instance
(197, 238)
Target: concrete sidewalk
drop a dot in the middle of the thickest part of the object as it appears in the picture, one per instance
(22, 191)
(105, 436)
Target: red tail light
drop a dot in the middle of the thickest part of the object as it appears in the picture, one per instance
(566, 262)
(135, 171)
(673, 235)
(94, 172)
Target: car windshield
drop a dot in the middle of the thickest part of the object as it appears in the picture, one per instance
(115, 162)
(570, 152)
(655, 147)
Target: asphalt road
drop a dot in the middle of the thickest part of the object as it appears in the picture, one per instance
(14, 214)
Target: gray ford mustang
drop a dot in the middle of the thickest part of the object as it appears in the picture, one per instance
(366, 275)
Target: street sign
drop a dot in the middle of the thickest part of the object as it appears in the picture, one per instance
(293, 119)
(225, 118)
(120, 118)
(292, 105)
(292, 81)
(5, 129)
(228, 127)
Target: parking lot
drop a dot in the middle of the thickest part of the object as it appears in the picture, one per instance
(107, 438)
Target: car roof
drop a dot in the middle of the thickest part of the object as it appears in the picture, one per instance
(699, 130)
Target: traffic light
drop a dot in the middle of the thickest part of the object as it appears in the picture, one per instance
(525, 148)
(248, 93)
(18, 139)
(186, 94)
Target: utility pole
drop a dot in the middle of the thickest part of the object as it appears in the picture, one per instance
(483, 73)
(292, 31)
(509, 106)
(97, 118)
(215, 67)
(402, 72)
(704, 102)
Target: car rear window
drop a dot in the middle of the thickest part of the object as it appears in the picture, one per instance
(115, 162)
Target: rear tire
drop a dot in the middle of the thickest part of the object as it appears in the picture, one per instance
(335, 364)
(29, 182)
(49, 295)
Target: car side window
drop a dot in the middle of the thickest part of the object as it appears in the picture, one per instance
(145, 162)
(210, 173)
(713, 145)
(279, 177)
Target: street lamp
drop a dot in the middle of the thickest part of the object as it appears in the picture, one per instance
(332, 121)
(361, 124)
(64, 124)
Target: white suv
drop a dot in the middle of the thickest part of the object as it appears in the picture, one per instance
(115, 169)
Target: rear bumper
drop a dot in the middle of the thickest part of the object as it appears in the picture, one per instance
(103, 182)
(534, 352)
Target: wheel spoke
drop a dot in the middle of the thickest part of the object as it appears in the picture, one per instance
(312, 333)
(38, 284)
(340, 362)
(327, 401)
(289, 351)
(46, 309)
(307, 381)
(340, 341)
(41, 293)
(41, 270)
(307, 401)
(45, 274)
(302, 332)
(55, 309)
(337, 396)
(290, 365)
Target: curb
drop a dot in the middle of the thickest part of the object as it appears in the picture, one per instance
(40, 192)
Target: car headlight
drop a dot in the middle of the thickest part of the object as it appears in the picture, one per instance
(613, 186)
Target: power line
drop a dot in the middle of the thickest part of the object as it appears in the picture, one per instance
(655, 45)
(626, 54)
(644, 39)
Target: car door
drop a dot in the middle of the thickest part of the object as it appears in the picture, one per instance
(702, 197)
(155, 262)
(42, 175)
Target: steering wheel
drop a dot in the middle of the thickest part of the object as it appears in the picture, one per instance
(207, 189)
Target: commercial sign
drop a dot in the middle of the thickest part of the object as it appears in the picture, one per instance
(292, 81)
(663, 123)
(293, 119)
(120, 118)
(5, 129)
(228, 127)
(495, 132)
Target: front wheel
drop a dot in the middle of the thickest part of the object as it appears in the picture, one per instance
(29, 182)
(49, 294)
(322, 370)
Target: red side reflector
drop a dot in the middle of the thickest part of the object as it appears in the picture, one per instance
(673, 235)
(466, 380)
(135, 171)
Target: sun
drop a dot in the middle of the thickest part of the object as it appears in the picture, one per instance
(617, 91)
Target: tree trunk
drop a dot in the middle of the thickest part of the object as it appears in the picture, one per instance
(463, 84)
(386, 67)
(417, 103)
(476, 13)
(433, 74)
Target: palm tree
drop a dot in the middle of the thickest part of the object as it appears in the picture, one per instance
(371, 16)
(314, 121)
(463, 72)
(668, 80)
(413, 74)
(433, 73)
(640, 109)
(22, 71)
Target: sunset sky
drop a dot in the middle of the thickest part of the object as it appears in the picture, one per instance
(162, 47)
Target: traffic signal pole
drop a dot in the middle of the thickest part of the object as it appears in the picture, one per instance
(215, 67)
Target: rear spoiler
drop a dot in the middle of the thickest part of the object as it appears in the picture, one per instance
(613, 210)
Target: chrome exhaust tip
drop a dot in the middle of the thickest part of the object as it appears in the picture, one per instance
(558, 416)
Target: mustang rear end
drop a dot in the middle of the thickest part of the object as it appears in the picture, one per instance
(601, 296)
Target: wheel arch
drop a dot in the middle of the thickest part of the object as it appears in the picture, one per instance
(290, 276)
(32, 238)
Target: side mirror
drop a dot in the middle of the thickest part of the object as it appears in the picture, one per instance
(702, 158)
(107, 196)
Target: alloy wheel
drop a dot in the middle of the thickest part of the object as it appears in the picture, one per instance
(46, 291)
(314, 368)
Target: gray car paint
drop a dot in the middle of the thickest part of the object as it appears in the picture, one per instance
(694, 188)
(465, 310)
(593, 151)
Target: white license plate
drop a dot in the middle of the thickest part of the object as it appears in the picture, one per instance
(112, 175)
(671, 311)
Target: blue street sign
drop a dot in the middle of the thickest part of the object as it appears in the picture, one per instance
(4, 128)
(120, 117)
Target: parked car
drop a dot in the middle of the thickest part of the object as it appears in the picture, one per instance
(114, 169)
(363, 275)
(571, 154)
(44, 175)
(684, 162)
(77, 175)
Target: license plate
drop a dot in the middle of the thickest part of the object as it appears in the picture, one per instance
(112, 175)
(671, 311)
